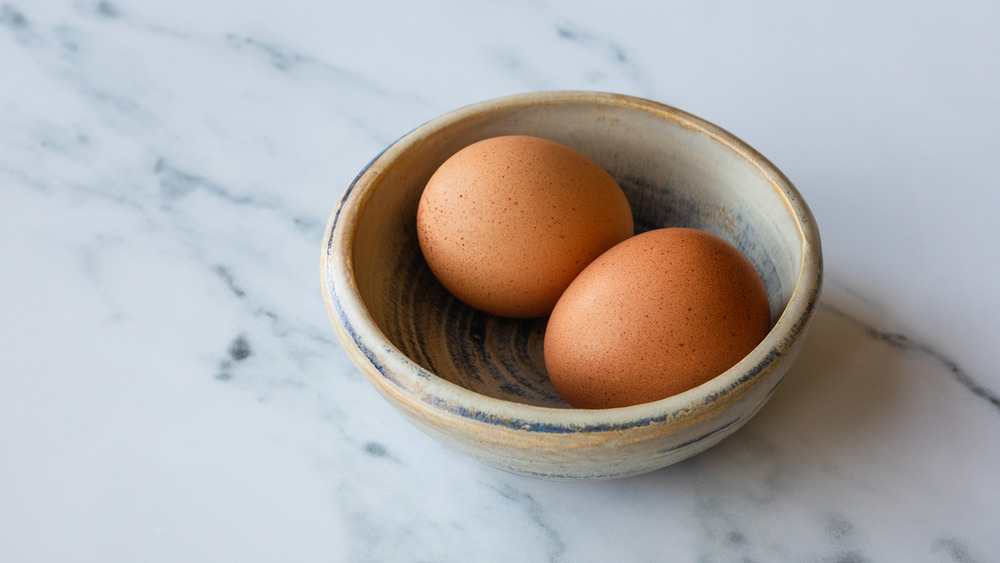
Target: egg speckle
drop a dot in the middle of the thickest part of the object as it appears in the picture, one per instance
(658, 314)
(505, 224)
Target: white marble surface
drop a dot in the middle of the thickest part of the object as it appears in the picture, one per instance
(170, 387)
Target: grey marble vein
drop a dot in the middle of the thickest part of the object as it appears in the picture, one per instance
(904, 343)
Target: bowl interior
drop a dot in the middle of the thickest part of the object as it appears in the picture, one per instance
(676, 171)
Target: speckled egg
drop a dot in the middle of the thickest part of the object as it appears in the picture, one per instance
(658, 314)
(506, 223)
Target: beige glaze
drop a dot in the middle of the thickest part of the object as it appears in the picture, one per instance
(507, 223)
(658, 314)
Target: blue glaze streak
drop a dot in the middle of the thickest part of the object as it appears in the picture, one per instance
(702, 437)
(672, 449)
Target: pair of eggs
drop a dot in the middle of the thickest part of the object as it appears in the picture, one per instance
(525, 227)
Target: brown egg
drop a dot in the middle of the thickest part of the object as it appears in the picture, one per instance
(506, 223)
(658, 314)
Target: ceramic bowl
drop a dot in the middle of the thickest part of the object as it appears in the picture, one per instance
(476, 382)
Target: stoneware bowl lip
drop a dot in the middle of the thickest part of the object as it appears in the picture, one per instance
(404, 380)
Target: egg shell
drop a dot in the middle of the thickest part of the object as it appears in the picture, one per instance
(658, 314)
(506, 223)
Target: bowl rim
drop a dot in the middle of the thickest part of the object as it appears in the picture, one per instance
(406, 381)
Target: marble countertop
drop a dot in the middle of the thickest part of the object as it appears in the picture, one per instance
(170, 386)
